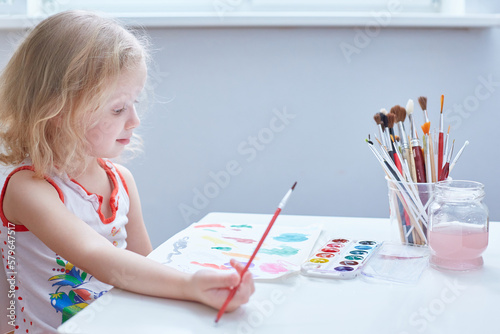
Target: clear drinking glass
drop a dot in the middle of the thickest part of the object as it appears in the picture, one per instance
(409, 204)
(458, 225)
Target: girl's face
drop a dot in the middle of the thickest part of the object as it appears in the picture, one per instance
(117, 119)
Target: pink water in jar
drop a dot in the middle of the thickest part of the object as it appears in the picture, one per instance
(458, 247)
(458, 225)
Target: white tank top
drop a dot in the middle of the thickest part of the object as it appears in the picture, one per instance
(44, 289)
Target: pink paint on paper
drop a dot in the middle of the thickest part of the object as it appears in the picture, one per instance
(209, 225)
(273, 268)
(243, 241)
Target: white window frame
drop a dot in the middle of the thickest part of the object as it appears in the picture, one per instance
(12, 7)
(234, 13)
(150, 6)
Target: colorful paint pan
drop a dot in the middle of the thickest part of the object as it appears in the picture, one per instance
(358, 252)
(363, 247)
(343, 241)
(330, 250)
(340, 258)
(316, 260)
(365, 242)
(325, 255)
(335, 245)
(344, 268)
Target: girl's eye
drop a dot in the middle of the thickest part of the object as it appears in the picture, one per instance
(119, 110)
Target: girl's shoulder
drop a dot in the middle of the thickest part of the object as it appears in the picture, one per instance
(124, 173)
(22, 191)
(23, 178)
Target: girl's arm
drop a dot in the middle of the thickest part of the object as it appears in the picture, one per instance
(35, 204)
(137, 235)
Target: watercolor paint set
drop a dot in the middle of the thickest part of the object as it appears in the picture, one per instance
(340, 258)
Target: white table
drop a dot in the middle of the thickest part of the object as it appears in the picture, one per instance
(441, 302)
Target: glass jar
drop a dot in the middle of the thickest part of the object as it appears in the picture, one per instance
(408, 204)
(458, 225)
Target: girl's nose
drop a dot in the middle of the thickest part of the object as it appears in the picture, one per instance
(133, 120)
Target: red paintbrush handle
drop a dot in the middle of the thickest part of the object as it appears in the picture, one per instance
(419, 164)
(228, 299)
(445, 172)
(440, 154)
(233, 291)
(397, 162)
(271, 223)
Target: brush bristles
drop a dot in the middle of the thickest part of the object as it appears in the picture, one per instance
(422, 100)
(426, 127)
(383, 119)
(391, 118)
(378, 119)
(409, 107)
(400, 113)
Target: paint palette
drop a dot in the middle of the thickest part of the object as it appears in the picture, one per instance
(340, 258)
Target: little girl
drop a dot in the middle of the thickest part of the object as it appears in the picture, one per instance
(72, 225)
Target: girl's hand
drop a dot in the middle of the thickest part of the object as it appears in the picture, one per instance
(212, 288)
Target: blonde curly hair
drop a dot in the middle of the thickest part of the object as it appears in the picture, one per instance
(57, 78)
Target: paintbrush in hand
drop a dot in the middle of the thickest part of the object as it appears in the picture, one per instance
(271, 223)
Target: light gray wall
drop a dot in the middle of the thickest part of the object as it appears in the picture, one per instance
(216, 90)
(225, 86)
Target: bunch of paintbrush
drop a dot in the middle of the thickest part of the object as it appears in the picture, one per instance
(412, 165)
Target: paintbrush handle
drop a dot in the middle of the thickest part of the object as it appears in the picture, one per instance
(445, 172)
(397, 162)
(427, 158)
(276, 214)
(233, 291)
(419, 164)
(458, 155)
(440, 153)
(256, 250)
(228, 299)
(411, 164)
(431, 153)
(393, 172)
